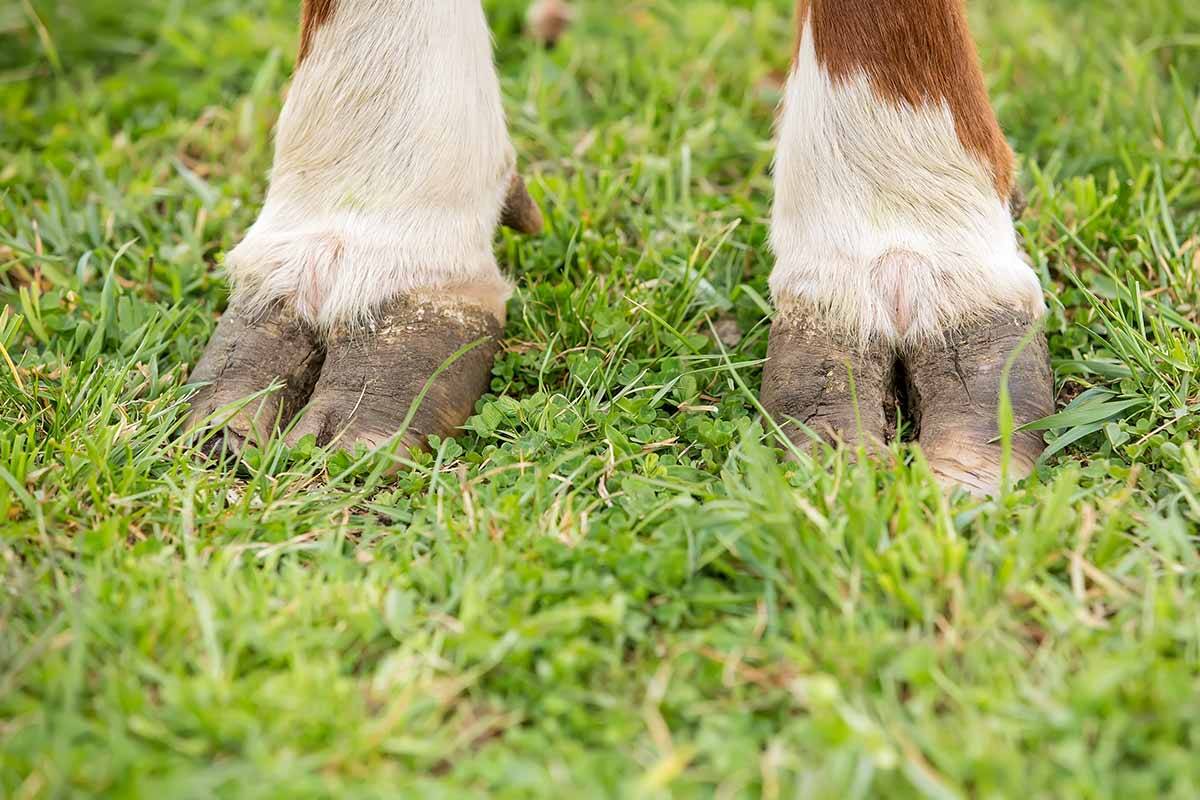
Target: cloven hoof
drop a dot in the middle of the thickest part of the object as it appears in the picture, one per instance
(820, 384)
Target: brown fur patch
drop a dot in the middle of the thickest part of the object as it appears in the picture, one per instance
(315, 14)
(914, 51)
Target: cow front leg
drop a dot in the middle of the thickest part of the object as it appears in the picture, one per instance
(893, 236)
(371, 263)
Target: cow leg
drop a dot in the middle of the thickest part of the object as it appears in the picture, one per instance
(893, 236)
(392, 168)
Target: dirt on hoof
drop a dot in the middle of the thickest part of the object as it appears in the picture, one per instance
(246, 355)
(548, 20)
(372, 377)
(807, 381)
(954, 398)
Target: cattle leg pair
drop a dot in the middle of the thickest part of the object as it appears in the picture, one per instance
(898, 269)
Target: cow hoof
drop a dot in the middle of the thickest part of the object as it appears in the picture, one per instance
(256, 372)
(373, 377)
(820, 386)
(954, 396)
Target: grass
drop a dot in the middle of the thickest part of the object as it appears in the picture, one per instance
(610, 584)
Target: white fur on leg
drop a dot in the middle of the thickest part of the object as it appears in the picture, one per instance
(882, 218)
(391, 167)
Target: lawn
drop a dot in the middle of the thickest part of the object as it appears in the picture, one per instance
(610, 584)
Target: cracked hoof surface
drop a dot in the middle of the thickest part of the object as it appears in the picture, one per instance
(246, 355)
(372, 376)
(807, 380)
(950, 390)
(954, 393)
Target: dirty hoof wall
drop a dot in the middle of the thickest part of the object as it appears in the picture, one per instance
(820, 387)
(953, 391)
(355, 388)
(372, 377)
(256, 373)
